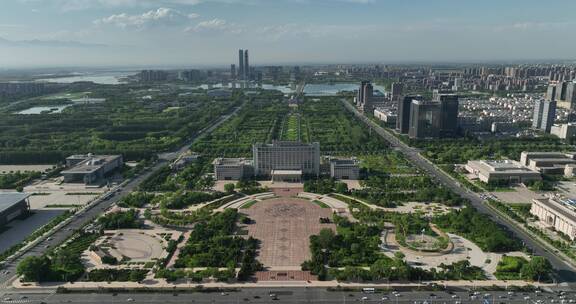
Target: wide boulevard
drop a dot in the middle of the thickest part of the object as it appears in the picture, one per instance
(565, 272)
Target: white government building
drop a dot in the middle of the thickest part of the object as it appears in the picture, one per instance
(283, 161)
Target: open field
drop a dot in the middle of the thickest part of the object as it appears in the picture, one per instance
(4, 169)
(284, 226)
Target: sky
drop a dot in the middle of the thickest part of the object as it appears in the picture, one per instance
(62, 33)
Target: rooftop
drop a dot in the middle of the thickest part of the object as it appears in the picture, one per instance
(286, 144)
(230, 161)
(349, 161)
(501, 166)
(9, 199)
(91, 164)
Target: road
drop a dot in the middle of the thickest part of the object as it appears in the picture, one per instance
(299, 295)
(565, 272)
(7, 274)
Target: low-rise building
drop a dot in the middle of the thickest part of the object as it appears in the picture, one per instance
(13, 205)
(345, 168)
(183, 160)
(286, 155)
(232, 168)
(387, 116)
(556, 213)
(501, 170)
(548, 162)
(564, 131)
(89, 168)
(570, 170)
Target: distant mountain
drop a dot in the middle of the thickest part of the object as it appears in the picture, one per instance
(48, 43)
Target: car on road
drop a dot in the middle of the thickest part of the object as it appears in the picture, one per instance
(129, 300)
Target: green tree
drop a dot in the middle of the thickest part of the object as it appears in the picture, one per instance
(229, 188)
(341, 188)
(34, 269)
(537, 269)
(326, 238)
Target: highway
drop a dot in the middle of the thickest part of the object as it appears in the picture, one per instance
(565, 272)
(7, 273)
(300, 295)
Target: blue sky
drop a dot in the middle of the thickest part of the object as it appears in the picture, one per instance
(209, 32)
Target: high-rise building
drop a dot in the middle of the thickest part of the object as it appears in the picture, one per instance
(152, 75)
(233, 71)
(246, 66)
(424, 119)
(548, 115)
(396, 91)
(448, 114)
(368, 96)
(551, 93)
(457, 83)
(360, 95)
(544, 115)
(365, 97)
(570, 101)
(404, 110)
(241, 64)
(537, 118)
(563, 92)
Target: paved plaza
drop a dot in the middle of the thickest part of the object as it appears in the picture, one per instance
(284, 226)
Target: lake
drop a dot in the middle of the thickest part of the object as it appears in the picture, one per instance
(334, 88)
(48, 110)
(100, 78)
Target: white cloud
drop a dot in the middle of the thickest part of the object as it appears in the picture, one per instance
(216, 25)
(75, 5)
(160, 17)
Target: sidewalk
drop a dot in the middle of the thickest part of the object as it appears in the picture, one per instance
(160, 284)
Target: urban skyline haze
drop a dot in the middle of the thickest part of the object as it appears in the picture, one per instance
(205, 32)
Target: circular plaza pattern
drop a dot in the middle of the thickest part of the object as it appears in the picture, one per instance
(137, 246)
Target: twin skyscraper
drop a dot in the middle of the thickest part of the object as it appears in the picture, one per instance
(243, 72)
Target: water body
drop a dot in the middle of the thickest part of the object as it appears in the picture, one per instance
(309, 89)
(44, 110)
(284, 89)
(334, 88)
(99, 78)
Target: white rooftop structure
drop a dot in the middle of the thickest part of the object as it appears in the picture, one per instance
(497, 170)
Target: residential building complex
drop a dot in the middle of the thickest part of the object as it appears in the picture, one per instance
(563, 92)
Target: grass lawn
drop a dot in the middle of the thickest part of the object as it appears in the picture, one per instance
(321, 204)
(248, 204)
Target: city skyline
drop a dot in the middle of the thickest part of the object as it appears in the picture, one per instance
(203, 33)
